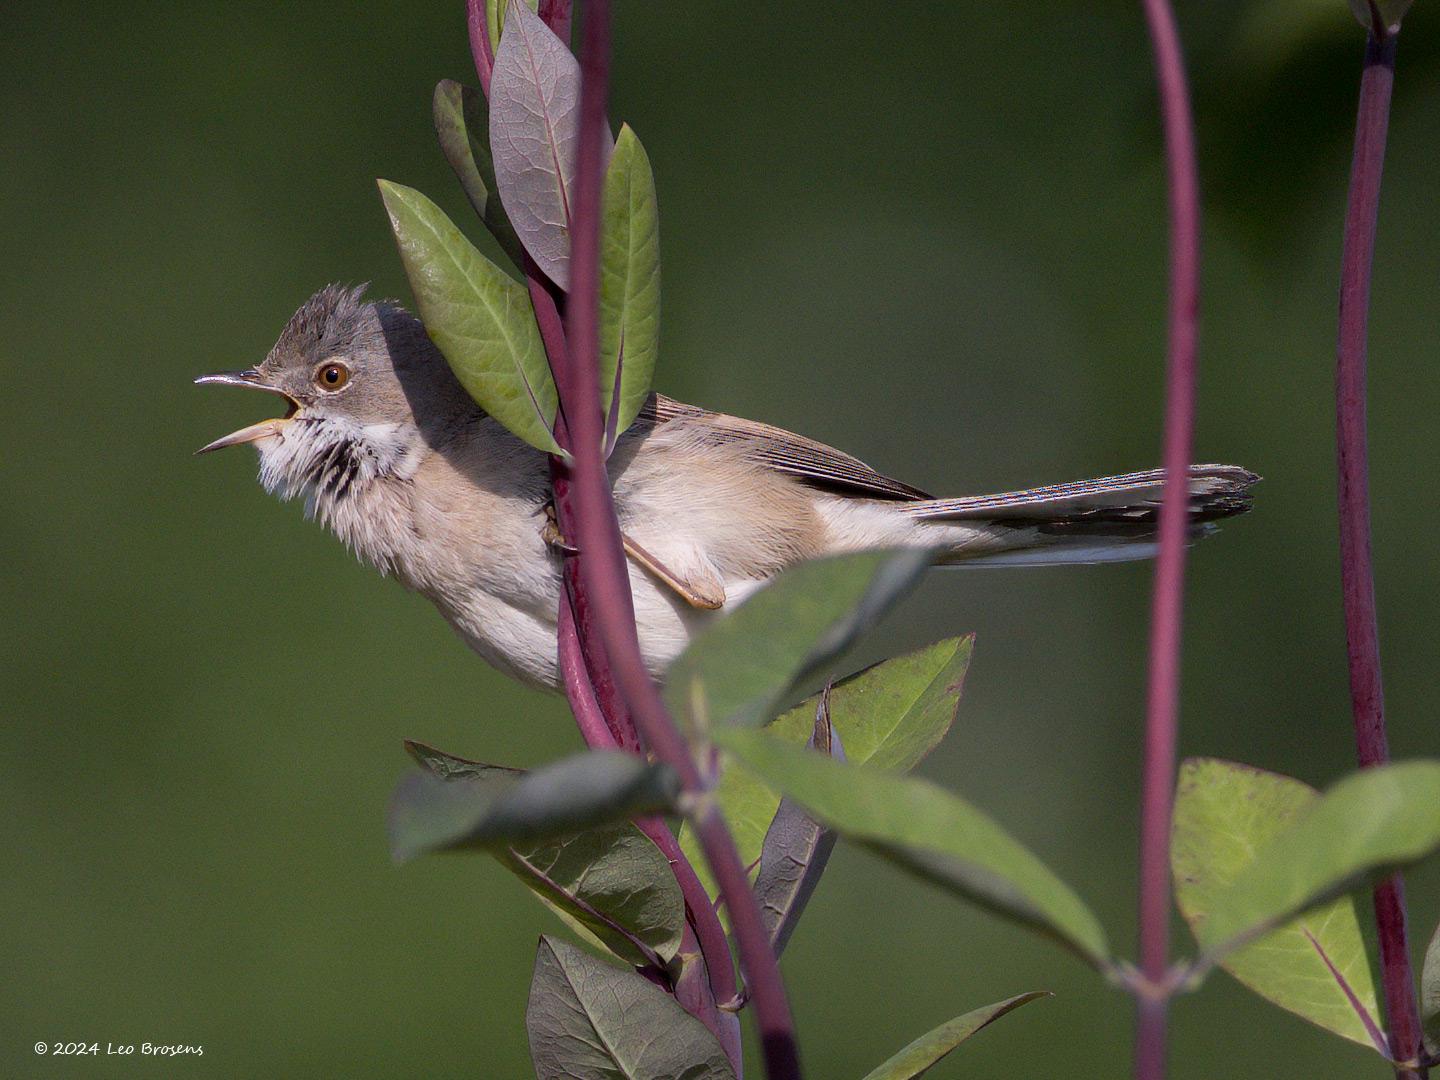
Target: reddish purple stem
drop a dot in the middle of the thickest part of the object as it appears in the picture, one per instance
(1162, 704)
(1357, 575)
(603, 569)
(479, 29)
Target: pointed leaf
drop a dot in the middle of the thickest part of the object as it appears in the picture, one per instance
(462, 124)
(916, 1059)
(1430, 994)
(502, 808)
(742, 664)
(890, 715)
(795, 850)
(609, 882)
(477, 316)
(629, 284)
(535, 135)
(927, 830)
(495, 19)
(1369, 823)
(587, 1018)
(614, 882)
(1224, 813)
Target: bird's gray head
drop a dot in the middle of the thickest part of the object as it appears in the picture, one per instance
(364, 387)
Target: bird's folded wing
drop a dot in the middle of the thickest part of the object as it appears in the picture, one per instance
(813, 462)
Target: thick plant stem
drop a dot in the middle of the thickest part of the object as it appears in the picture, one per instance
(604, 571)
(1162, 704)
(1357, 576)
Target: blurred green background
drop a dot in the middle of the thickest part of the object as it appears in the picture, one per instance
(931, 234)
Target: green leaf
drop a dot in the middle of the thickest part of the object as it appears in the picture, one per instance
(587, 1018)
(614, 882)
(1430, 994)
(890, 715)
(610, 884)
(462, 124)
(1369, 823)
(1224, 814)
(917, 1058)
(500, 807)
(629, 284)
(743, 663)
(495, 19)
(477, 316)
(927, 830)
(1389, 12)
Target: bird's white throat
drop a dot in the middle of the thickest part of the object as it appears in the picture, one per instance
(340, 469)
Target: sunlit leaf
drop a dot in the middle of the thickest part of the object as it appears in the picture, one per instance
(795, 850)
(1224, 814)
(629, 283)
(535, 136)
(738, 668)
(1369, 823)
(462, 124)
(502, 808)
(916, 1059)
(587, 1018)
(890, 715)
(927, 830)
(478, 316)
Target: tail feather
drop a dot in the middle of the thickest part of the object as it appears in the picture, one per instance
(1112, 518)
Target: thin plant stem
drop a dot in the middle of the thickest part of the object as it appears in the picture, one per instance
(1357, 575)
(1167, 605)
(604, 572)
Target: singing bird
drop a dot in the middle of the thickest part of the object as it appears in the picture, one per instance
(394, 457)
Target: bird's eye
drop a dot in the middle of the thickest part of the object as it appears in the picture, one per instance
(332, 376)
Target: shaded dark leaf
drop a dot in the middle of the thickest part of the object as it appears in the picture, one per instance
(586, 1018)
(462, 124)
(500, 808)
(796, 849)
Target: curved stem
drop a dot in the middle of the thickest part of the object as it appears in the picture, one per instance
(604, 571)
(1162, 704)
(1357, 575)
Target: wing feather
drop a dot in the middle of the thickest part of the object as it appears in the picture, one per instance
(813, 462)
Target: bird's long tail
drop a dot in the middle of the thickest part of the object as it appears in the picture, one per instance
(1110, 519)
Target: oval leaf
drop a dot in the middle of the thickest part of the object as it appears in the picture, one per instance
(1369, 823)
(477, 316)
(535, 135)
(742, 664)
(502, 807)
(1224, 813)
(890, 715)
(610, 883)
(462, 124)
(615, 883)
(928, 831)
(917, 1058)
(587, 1018)
(629, 284)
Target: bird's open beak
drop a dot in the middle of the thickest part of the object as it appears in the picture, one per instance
(265, 428)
